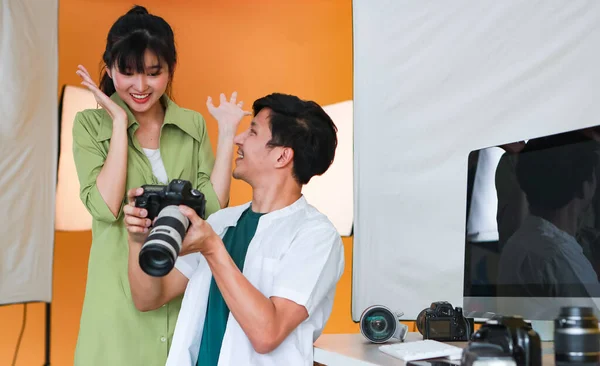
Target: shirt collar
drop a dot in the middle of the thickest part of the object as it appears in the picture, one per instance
(266, 219)
(545, 229)
(180, 117)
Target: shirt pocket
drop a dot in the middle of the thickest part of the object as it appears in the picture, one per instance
(260, 271)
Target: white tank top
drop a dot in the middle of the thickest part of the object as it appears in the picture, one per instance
(158, 168)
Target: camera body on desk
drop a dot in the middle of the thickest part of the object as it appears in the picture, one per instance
(444, 323)
(508, 339)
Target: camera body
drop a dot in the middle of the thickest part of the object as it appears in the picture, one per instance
(177, 192)
(444, 323)
(379, 324)
(163, 244)
(483, 354)
(511, 336)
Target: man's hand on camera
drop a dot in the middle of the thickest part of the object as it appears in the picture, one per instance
(200, 236)
(136, 222)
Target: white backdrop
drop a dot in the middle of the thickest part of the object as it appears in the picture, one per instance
(28, 147)
(331, 193)
(433, 81)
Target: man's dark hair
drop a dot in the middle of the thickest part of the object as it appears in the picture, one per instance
(304, 127)
(552, 170)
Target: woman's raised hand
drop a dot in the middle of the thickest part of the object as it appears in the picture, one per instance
(228, 114)
(114, 110)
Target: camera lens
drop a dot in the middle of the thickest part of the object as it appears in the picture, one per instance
(378, 324)
(161, 248)
(576, 337)
(421, 320)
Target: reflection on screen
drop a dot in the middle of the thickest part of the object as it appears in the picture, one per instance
(533, 218)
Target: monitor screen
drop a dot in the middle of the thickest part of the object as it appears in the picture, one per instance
(532, 230)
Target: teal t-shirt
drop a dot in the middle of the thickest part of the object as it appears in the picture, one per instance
(236, 240)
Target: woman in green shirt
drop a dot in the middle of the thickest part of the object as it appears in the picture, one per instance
(139, 136)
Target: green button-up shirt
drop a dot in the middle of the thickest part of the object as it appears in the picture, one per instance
(112, 331)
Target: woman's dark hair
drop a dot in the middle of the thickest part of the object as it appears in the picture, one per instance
(303, 126)
(129, 38)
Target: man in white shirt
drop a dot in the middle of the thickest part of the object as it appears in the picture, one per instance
(258, 279)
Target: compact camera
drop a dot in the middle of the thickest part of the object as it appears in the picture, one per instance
(161, 248)
(442, 322)
(504, 338)
(379, 324)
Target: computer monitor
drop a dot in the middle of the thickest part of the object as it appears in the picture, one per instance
(532, 236)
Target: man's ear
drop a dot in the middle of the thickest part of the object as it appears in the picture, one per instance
(588, 188)
(285, 157)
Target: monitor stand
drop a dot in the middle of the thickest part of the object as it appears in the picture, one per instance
(544, 328)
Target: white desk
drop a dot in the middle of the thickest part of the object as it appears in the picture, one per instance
(355, 350)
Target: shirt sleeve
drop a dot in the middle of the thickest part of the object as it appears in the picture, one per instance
(310, 270)
(188, 264)
(89, 159)
(206, 161)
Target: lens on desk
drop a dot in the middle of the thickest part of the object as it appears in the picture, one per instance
(378, 324)
(576, 337)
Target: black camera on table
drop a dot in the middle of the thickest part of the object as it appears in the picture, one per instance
(504, 338)
(163, 244)
(444, 323)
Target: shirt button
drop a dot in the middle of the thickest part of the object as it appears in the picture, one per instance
(163, 339)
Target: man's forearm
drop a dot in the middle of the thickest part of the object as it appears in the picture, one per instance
(255, 313)
(146, 290)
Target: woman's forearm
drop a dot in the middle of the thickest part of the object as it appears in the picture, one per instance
(220, 177)
(112, 177)
(146, 291)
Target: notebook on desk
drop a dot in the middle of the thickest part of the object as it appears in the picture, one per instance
(421, 350)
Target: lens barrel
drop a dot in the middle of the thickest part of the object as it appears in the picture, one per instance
(161, 248)
(576, 337)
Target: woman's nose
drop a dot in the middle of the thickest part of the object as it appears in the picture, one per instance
(140, 83)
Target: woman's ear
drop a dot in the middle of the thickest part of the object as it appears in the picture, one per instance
(108, 72)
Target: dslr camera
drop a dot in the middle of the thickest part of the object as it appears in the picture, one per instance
(508, 339)
(444, 323)
(161, 248)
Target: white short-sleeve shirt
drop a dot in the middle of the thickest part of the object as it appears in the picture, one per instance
(297, 254)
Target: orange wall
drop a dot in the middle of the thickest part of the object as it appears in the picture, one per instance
(303, 47)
